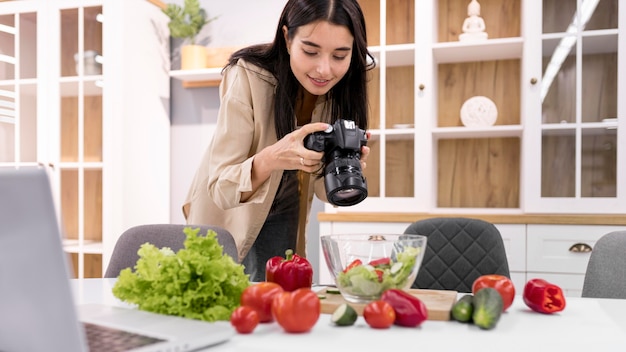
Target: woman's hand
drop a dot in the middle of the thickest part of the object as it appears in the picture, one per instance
(289, 153)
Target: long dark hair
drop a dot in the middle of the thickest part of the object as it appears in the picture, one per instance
(348, 96)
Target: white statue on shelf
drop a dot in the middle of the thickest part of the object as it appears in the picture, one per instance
(474, 25)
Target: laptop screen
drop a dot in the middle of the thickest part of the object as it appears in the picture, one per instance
(38, 312)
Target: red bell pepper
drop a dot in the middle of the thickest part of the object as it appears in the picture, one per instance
(410, 310)
(291, 273)
(543, 297)
(296, 311)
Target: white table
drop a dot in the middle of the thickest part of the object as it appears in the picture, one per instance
(585, 324)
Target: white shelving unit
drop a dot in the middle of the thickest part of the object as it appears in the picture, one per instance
(104, 137)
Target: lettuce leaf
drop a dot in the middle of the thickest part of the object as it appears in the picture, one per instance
(197, 282)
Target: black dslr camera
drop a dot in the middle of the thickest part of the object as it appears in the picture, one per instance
(341, 144)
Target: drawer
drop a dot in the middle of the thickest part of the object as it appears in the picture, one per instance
(548, 247)
(571, 284)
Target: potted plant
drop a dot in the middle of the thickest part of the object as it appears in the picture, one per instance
(186, 22)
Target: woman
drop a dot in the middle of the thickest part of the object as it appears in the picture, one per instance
(254, 177)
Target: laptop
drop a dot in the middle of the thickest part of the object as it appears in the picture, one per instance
(37, 310)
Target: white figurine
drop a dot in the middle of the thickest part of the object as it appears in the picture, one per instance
(474, 25)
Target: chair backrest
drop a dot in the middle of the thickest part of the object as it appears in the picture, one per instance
(606, 271)
(458, 251)
(160, 235)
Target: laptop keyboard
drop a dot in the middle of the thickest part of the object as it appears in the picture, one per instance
(105, 339)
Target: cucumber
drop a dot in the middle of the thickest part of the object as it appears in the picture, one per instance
(463, 309)
(331, 290)
(344, 315)
(487, 308)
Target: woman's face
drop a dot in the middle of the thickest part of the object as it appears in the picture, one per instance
(320, 54)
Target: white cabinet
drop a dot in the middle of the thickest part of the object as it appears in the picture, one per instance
(560, 253)
(90, 83)
(552, 154)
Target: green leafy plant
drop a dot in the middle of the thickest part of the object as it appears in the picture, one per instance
(187, 21)
(197, 282)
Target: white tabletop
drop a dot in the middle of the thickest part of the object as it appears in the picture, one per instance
(597, 324)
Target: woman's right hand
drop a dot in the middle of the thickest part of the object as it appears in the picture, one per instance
(289, 153)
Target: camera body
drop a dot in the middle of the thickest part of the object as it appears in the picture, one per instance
(343, 177)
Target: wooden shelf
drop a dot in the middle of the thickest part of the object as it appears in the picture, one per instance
(488, 50)
(91, 247)
(478, 132)
(206, 77)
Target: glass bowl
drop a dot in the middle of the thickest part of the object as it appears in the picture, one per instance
(365, 265)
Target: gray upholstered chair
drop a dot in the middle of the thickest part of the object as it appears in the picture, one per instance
(161, 235)
(606, 271)
(458, 250)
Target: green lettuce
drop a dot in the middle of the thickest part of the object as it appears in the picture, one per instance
(198, 282)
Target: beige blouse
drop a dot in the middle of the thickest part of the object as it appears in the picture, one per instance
(245, 125)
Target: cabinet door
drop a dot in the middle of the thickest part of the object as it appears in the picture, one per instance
(390, 171)
(20, 121)
(574, 115)
(78, 136)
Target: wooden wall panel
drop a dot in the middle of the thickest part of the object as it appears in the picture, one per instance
(371, 12)
(69, 129)
(400, 96)
(501, 18)
(497, 80)
(400, 21)
(93, 128)
(93, 205)
(479, 173)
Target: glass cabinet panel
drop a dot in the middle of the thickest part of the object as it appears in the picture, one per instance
(579, 98)
(558, 163)
(7, 47)
(599, 162)
(18, 88)
(81, 139)
(7, 123)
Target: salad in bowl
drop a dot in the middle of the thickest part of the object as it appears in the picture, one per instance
(364, 266)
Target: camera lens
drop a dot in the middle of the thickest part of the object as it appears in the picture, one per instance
(345, 184)
(348, 196)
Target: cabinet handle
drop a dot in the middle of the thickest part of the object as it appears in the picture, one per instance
(533, 81)
(580, 248)
(421, 86)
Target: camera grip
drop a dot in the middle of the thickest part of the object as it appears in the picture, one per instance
(315, 141)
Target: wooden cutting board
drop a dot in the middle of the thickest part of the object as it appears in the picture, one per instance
(438, 302)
